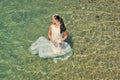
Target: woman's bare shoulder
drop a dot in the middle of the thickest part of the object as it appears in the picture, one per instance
(51, 25)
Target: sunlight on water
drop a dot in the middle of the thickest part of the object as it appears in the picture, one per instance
(94, 32)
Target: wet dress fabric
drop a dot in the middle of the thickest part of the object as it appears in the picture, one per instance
(46, 49)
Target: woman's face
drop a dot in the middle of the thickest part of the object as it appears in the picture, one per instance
(54, 21)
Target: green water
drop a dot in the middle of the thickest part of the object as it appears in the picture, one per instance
(94, 29)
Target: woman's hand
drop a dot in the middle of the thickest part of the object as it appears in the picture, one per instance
(59, 41)
(52, 40)
(62, 41)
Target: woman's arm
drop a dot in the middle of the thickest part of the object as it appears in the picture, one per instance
(65, 35)
(49, 34)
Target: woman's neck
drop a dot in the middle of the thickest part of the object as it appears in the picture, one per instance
(57, 24)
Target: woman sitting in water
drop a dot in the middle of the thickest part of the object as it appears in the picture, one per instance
(56, 48)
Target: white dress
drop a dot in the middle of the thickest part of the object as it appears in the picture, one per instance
(46, 49)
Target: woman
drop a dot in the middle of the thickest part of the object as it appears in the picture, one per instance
(55, 48)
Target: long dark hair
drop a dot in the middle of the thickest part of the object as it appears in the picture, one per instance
(62, 25)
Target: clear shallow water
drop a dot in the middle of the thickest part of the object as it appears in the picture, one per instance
(94, 32)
